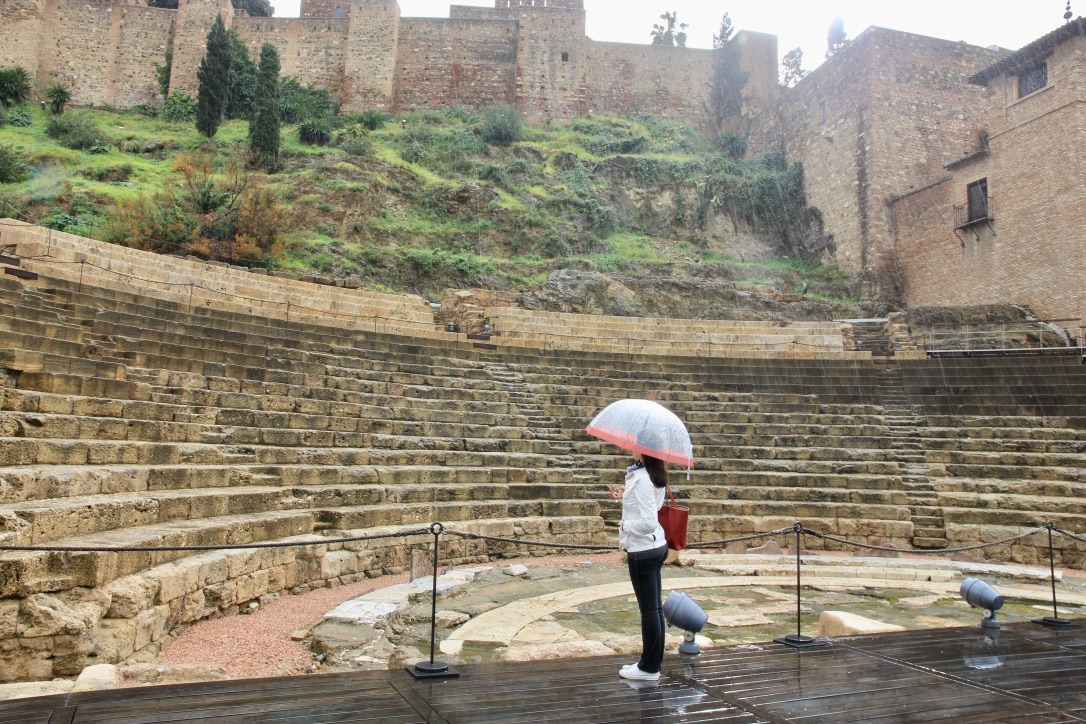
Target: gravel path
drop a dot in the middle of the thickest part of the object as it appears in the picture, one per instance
(259, 644)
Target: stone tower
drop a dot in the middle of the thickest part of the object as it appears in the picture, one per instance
(22, 27)
(372, 48)
(550, 57)
(194, 21)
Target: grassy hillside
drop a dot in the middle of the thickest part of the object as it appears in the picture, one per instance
(427, 203)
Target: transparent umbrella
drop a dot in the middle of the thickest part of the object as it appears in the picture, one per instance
(646, 427)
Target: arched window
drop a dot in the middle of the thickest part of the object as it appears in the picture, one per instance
(339, 11)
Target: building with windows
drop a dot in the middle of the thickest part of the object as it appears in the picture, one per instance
(1006, 223)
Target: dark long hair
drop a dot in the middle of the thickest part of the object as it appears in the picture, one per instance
(657, 470)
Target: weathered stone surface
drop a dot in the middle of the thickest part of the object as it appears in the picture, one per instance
(553, 651)
(99, 677)
(839, 623)
(450, 619)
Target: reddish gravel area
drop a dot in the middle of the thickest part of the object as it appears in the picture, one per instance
(259, 644)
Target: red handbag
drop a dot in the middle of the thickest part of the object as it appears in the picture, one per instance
(673, 520)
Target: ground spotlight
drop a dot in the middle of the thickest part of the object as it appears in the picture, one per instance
(979, 594)
(681, 612)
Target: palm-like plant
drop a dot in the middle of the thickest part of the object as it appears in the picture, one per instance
(15, 86)
(58, 95)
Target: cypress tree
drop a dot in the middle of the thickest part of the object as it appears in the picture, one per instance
(264, 128)
(214, 75)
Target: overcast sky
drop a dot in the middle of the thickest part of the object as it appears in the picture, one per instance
(1007, 23)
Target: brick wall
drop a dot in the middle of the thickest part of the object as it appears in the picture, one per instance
(21, 31)
(455, 62)
(1034, 252)
(314, 50)
(551, 61)
(879, 119)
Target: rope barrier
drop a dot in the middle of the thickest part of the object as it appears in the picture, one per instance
(1080, 539)
(936, 551)
(755, 536)
(519, 541)
(542, 544)
(224, 547)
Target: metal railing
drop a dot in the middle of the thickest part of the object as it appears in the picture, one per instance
(969, 214)
(1042, 336)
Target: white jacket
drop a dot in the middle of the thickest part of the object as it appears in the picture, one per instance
(640, 529)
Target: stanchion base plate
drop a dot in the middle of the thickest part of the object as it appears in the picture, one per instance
(1053, 622)
(800, 642)
(432, 670)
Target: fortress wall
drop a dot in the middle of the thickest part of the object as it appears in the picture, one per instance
(622, 79)
(314, 50)
(551, 62)
(372, 48)
(21, 32)
(325, 9)
(450, 62)
(478, 13)
(83, 50)
(820, 122)
(146, 35)
(879, 119)
(193, 23)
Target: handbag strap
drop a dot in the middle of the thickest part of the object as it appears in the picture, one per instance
(668, 489)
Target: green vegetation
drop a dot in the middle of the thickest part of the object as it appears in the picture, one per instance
(418, 206)
(264, 130)
(15, 87)
(214, 75)
(58, 95)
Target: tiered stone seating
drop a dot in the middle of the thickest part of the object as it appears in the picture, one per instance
(991, 478)
(198, 284)
(130, 417)
(671, 337)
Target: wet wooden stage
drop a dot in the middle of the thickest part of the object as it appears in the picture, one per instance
(1024, 673)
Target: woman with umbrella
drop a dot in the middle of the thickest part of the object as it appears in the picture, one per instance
(654, 435)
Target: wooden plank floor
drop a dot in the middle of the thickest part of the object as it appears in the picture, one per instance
(1024, 673)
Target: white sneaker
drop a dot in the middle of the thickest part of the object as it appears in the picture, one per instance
(634, 672)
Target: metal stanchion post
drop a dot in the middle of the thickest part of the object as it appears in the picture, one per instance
(1053, 621)
(433, 669)
(798, 640)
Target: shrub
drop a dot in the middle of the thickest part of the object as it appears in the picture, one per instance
(98, 149)
(462, 114)
(58, 95)
(20, 119)
(15, 86)
(353, 131)
(299, 102)
(179, 108)
(493, 173)
(501, 125)
(78, 132)
(13, 165)
(732, 143)
(360, 147)
(371, 119)
(315, 133)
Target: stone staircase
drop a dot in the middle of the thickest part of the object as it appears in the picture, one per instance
(906, 430)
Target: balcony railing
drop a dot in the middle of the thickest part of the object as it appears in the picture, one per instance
(969, 214)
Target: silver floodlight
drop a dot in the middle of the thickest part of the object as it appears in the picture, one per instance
(979, 594)
(681, 612)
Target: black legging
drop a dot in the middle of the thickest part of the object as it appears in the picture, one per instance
(645, 567)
